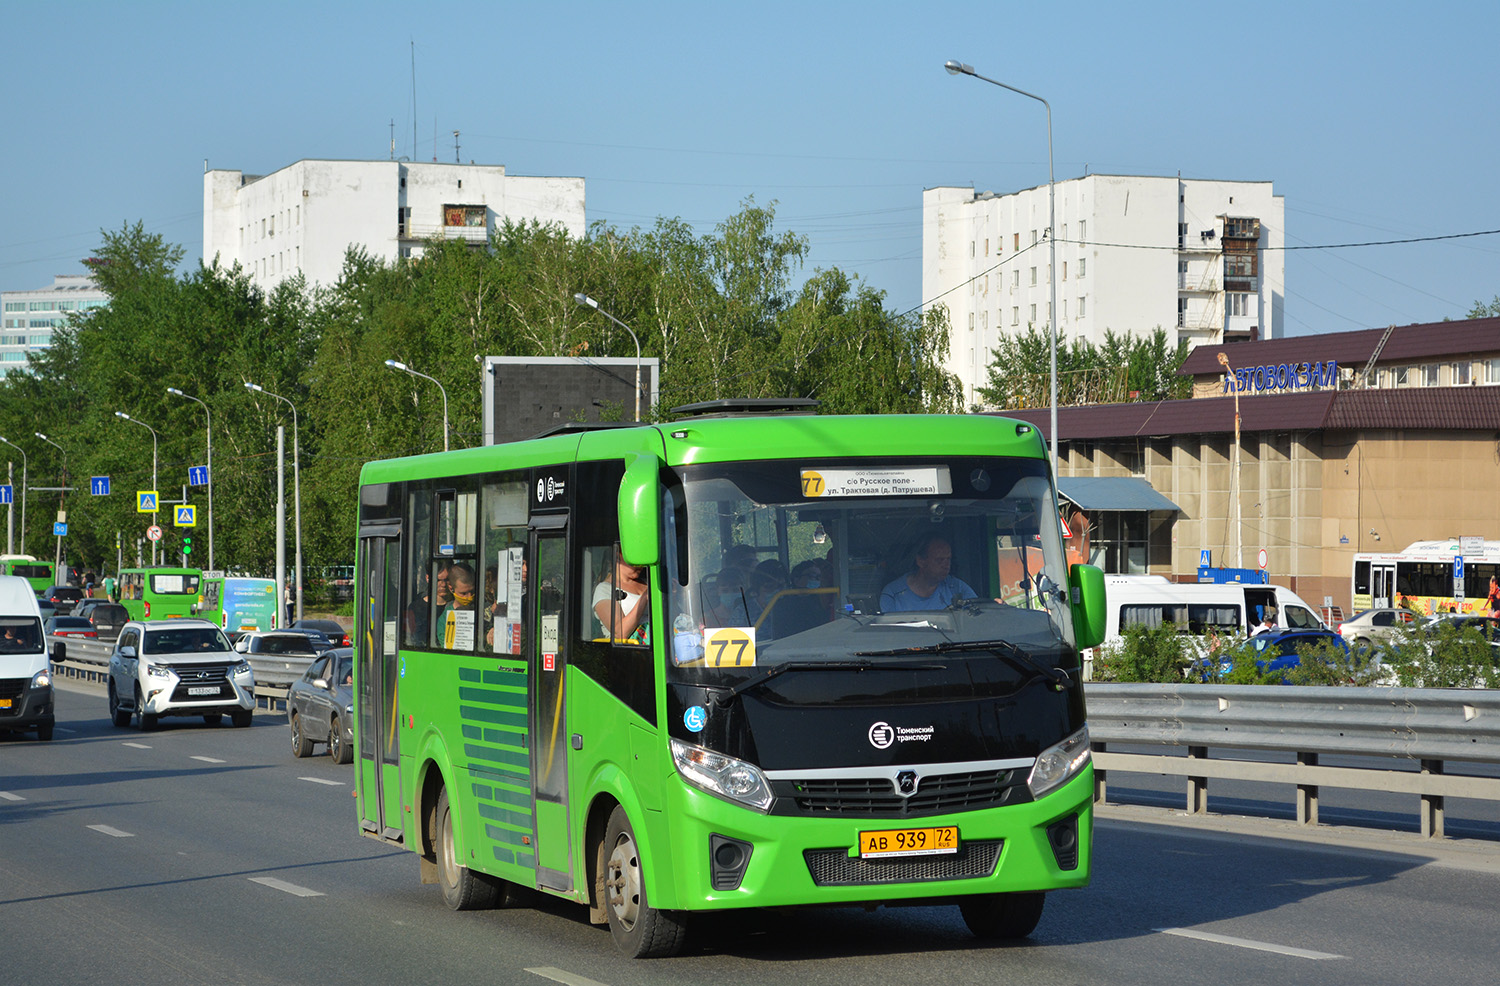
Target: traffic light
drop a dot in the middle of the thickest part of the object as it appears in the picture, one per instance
(187, 545)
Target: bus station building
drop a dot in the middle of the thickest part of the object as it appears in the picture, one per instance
(1353, 441)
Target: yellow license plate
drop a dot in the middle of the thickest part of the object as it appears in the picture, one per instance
(4, 703)
(908, 842)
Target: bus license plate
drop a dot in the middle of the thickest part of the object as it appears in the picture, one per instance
(908, 842)
(4, 703)
(204, 690)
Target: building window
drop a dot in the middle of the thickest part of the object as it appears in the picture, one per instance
(1429, 375)
(1239, 304)
(1033, 314)
(1181, 312)
(1015, 319)
(1018, 241)
(1401, 376)
(1492, 371)
(1033, 277)
(986, 246)
(971, 248)
(1080, 308)
(1065, 270)
(1181, 235)
(1065, 310)
(463, 215)
(1015, 278)
(1083, 266)
(971, 321)
(1083, 229)
(1459, 374)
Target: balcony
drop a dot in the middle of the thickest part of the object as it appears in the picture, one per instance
(424, 231)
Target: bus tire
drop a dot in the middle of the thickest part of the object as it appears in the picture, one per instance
(639, 930)
(463, 889)
(1003, 917)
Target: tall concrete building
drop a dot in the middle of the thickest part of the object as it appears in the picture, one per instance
(1201, 259)
(30, 317)
(305, 216)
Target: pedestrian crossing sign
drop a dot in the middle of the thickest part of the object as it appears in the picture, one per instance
(187, 516)
(145, 501)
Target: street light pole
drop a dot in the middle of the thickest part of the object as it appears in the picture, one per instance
(296, 485)
(1234, 479)
(62, 493)
(959, 68)
(588, 302)
(210, 430)
(122, 414)
(23, 490)
(398, 365)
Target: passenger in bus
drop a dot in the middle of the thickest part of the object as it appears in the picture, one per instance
(805, 604)
(726, 599)
(1492, 601)
(622, 603)
(418, 618)
(928, 585)
(1267, 620)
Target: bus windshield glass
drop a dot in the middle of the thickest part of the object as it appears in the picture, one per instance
(174, 584)
(868, 560)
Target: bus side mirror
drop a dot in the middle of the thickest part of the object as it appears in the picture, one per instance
(640, 511)
(1086, 583)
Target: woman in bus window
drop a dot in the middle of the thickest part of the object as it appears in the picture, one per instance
(622, 604)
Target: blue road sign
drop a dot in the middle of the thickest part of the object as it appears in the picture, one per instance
(59, 529)
(1458, 567)
(5, 495)
(1205, 558)
(99, 486)
(186, 516)
(197, 475)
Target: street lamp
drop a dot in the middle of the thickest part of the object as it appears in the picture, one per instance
(959, 68)
(1234, 479)
(588, 302)
(210, 431)
(23, 491)
(398, 365)
(296, 487)
(122, 414)
(61, 493)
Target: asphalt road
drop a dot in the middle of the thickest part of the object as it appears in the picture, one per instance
(208, 854)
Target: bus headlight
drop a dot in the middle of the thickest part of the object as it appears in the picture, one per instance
(42, 679)
(1059, 763)
(724, 777)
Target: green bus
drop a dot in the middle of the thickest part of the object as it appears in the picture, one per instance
(741, 660)
(39, 574)
(238, 604)
(158, 593)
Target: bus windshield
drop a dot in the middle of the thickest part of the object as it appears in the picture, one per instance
(863, 560)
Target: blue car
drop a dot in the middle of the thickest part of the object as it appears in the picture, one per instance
(1276, 650)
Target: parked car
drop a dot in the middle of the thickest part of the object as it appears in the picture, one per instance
(178, 668)
(320, 642)
(64, 597)
(332, 629)
(69, 626)
(1276, 650)
(47, 608)
(320, 706)
(1488, 626)
(1371, 627)
(280, 643)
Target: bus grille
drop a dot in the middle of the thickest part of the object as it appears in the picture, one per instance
(875, 797)
(836, 868)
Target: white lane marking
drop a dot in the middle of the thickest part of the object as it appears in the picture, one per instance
(1260, 946)
(282, 885)
(109, 830)
(321, 780)
(209, 759)
(566, 978)
(7, 796)
(138, 746)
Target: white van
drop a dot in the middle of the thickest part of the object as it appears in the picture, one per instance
(1202, 606)
(25, 675)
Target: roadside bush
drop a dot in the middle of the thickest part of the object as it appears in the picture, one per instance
(1144, 654)
(1326, 663)
(1442, 657)
(1243, 662)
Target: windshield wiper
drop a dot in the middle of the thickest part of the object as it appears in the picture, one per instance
(755, 681)
(1003, 649)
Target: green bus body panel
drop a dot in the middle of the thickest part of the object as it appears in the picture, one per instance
(163, 607)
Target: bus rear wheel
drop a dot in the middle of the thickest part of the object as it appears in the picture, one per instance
(463, 889)
(1003, 917)
(640, 930)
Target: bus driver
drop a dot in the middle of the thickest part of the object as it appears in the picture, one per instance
(928, 585)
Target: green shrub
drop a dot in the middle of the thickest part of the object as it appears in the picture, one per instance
(1244, 664)
(1443, 656)
(1326, 663)
(1149, 654)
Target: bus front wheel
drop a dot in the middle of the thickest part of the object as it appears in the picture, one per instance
(1003, 917)
(463, 889)
(640, 930)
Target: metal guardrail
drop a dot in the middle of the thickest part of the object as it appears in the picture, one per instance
(1422, 729)
(88, 660)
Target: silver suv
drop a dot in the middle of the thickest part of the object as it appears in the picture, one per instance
(178, 668)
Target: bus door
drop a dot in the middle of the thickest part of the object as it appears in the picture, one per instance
(377, 613)
(547, 660)
(1382, 584)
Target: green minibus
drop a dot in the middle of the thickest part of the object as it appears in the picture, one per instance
(158, 593)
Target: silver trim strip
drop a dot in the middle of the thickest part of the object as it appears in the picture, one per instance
(923, 770)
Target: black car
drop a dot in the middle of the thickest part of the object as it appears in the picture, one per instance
(320, 706)
(107, 617)
(64, 597)
(332, 629)
(320, 642)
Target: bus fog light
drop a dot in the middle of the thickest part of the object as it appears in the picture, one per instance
(1059, 763)
(721, 776)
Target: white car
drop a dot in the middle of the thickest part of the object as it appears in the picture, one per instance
(178, 668)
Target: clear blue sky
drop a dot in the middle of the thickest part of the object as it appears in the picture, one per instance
(1375, 121)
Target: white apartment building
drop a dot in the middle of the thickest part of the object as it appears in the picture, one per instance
(1202, 259)
(305, 216)
(28, 318)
